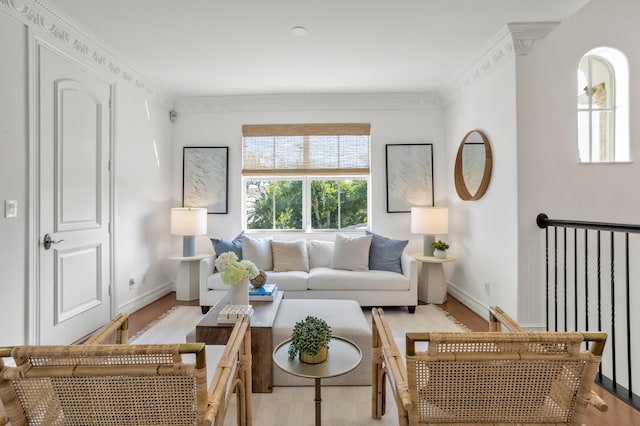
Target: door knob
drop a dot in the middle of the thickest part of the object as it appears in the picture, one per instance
(48, 241)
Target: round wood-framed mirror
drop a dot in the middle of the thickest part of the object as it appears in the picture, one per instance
(474, 162)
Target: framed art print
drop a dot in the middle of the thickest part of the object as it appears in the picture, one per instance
(409, 176)
(205, 178)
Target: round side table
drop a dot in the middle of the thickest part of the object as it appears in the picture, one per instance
(342, 357)
(432, 284)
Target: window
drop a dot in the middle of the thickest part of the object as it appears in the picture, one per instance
(603, 113)
(306, 176)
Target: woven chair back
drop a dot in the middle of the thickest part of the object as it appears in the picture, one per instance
(105, 385)
(501, 377)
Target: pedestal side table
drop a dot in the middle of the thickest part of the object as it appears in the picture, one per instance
(187, 286)
(343, 356)
(432, 283)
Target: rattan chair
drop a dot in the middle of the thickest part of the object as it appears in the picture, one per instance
(122, 384)
(511, 377)
(115, 331)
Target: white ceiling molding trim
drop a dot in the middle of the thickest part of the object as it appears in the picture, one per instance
(514, 39)
(526, 34)
(310, 102)
(41, 14)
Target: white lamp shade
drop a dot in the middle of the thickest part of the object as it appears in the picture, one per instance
(188, 221)
(430, 220)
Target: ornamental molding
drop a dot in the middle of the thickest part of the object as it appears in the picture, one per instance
(515, 39)
(526, 34)
(310, 102)
(39, 14)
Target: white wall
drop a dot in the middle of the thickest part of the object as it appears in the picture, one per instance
(142, 188)
(483, 234)
(143, 162)
(393, 118)
(550, 178)
(13, 178)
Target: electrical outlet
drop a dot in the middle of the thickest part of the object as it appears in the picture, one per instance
(487, 288)
(132, 282)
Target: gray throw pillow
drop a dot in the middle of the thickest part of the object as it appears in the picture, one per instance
(222, 246)
(385, 253)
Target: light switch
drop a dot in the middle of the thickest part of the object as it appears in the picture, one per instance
(10, 208)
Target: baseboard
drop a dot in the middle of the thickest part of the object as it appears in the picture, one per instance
(471, 302)
(147, 298)
(483, 310)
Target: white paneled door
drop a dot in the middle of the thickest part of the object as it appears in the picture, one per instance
(73, 140)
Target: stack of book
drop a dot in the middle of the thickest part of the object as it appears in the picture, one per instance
(262, 294)
(231, 313)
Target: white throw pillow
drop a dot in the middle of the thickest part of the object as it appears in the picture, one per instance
(351, 253)
(290, 256)
(258, 251)
(320, 254)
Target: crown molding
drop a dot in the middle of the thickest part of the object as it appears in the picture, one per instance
(515, 39)
(309, 102)
(526, 34)
(43, 16)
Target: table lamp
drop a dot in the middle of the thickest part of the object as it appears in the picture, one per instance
(188, 222)
(430, 221)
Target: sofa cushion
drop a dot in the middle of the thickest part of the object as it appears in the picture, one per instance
(290, 256)
(385, 253)
(258, 251)
(222, 246)
(289, 281)
(351, 253)
(320, 253)
(286, 281)
(335, 279)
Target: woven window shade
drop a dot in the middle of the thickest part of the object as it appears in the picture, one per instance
(305, 149)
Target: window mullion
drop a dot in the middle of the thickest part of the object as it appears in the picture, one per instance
(273, 206)
(306, 203)
(339, 205)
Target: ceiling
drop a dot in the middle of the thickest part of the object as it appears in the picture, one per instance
(246, 47)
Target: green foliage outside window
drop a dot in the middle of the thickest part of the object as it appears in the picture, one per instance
(338, 204)
(335, 204)
(284, 213)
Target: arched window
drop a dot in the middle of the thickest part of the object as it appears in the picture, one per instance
(603, 106)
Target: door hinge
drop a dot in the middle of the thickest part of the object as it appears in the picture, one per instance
(108, 227)
(110, 103)
(109, 289)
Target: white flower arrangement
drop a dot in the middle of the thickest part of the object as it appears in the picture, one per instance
(233, 271)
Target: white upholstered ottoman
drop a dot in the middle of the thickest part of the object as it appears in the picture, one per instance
(346, 319)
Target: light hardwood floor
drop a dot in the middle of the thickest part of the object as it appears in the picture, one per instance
(349, 400)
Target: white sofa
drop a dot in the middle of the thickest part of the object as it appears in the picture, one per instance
(317, 277)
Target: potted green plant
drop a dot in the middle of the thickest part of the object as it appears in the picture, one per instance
(440, 249)
(310, 340)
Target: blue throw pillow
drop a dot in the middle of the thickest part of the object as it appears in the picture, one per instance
(385, 253)
(222, 246)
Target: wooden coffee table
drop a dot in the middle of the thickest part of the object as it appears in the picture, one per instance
(210, 332)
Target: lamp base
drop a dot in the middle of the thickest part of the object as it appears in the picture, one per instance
(189, 245)
(427, 250)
